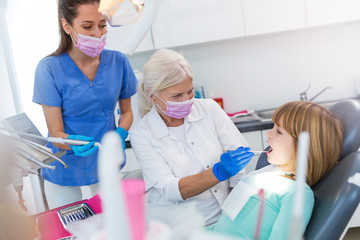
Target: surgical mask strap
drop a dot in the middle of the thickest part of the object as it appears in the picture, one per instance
(72, 39)
(160, 98)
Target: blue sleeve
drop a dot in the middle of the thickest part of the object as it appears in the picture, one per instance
(45, 89)
(129, 80)
(282, 223)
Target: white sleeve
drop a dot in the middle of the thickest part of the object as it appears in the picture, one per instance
(156, 171)
(229, 136)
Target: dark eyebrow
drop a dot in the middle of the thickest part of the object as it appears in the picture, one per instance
(87, 21)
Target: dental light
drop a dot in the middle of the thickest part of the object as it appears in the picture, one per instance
(120, 12)
(142, 13)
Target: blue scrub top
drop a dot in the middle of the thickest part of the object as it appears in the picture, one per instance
(87, 106)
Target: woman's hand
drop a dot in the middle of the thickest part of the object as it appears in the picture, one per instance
(231, 163)
(83, 150)
(123, 135)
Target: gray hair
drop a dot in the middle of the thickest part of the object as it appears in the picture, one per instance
(164, 69)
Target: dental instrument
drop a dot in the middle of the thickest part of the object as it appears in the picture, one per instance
(52, 139)
(31, 158)
(258, 152)
(37, 148)
(46, 153)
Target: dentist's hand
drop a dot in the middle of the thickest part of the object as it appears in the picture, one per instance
(83, 150)
(231, 163)
(123, 135)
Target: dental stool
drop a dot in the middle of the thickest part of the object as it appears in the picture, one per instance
(335, 198)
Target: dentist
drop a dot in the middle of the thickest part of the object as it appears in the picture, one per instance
(181, 143)
(78, 87)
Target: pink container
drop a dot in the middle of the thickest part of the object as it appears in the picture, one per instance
(51, 227)
(134, 190)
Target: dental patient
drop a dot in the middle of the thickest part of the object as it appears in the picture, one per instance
(240, 211)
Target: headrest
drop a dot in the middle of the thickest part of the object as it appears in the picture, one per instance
(348, 112)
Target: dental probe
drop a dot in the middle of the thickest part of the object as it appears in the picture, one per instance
(52, 139)
(258, 152)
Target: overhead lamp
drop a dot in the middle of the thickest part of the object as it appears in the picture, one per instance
(121, 12)
(141, 13)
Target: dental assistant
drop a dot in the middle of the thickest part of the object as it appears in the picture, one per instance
(78, 87)
(181, 143)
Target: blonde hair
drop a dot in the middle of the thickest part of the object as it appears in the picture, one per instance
(326, 135)
(164, 69)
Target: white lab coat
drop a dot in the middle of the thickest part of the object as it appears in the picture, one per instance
(209, 132)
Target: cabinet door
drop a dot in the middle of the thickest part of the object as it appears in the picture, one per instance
(332, 11)
(182, 22)
(117, 37)
(265, 16)
(255, 143)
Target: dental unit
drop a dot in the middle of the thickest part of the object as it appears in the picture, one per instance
(37, 148)
(51, 139)
(31, 158)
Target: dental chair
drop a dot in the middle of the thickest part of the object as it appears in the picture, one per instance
(335, 198)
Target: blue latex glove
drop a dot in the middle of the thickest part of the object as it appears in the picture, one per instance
(123, 135)
(231, 163)
(83, 150)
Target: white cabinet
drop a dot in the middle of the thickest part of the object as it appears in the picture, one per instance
(187, 22)
(265, 16)
(182, 22)
(321, 12)
(117, 37)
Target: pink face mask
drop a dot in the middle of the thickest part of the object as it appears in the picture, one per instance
(91, 46)
(177, 110)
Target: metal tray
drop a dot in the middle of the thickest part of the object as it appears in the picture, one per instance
(75, 213)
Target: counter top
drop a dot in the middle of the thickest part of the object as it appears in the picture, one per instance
(254, 126)
(243, 127)
(257, 125)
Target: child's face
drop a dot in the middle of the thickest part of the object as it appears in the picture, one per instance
(282, 152)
